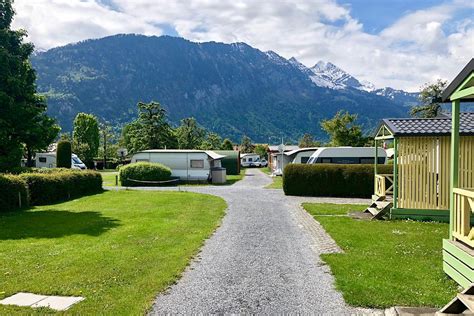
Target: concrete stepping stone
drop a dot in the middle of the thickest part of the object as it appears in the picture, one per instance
(59, 303)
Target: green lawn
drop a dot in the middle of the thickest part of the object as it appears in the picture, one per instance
(108, 177)
(117, 249)
(386, 263)
(277, 181)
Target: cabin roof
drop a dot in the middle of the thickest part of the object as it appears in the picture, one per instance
(439, 126)
(460, 78)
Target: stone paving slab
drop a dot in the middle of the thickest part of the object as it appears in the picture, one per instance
(59, 303)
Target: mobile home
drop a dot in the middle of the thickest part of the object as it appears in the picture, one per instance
(348, 155)
(188, 165)
(48, 160)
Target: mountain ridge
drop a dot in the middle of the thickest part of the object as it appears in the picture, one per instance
(233, 89)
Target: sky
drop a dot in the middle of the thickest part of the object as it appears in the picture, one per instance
(397, 43)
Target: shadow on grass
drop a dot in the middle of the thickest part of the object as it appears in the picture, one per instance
(54, 224)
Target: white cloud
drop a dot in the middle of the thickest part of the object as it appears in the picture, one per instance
(415, 49)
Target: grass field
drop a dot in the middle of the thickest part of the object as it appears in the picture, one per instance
(117, 249)
(108, 177)
(386, 263)
(277, 181)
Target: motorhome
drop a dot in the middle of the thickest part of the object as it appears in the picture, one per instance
(48, 160)
(188, 165)
(250, 160)
(348, 155)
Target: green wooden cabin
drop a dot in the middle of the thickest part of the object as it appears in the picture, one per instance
(433, 174)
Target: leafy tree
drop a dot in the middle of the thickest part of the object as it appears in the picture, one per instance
(430, 100)
(43, 132)
(150, 130)
(107, 148)
(343, 131)
(246, 145)
(227, 144)
(308, 141)
(211, 142)
(261, 150)
(21, 108)
(86, 137)
(189, 134)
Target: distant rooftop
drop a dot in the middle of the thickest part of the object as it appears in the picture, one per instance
(274, 148)
(440, 126)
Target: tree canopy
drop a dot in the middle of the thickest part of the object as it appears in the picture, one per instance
(23, 122)
(246, 145)
(86, 137)
(307, 140)
(189, 134)
(430, 100)
(343, 131)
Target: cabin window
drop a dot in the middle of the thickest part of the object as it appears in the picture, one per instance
(304, 159)
(143, 160)
(197, 163)
(250, 159)
(42, 159)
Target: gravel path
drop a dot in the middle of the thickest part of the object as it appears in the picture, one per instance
(263, 259)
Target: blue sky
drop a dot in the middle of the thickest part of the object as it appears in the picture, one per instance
(397, 43)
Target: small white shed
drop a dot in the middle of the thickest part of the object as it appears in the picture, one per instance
(186, 164)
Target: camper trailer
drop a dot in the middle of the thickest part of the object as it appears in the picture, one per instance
(48, 160)
(348, 155)
(188, 165)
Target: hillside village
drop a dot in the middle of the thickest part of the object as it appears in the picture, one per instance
(156, 175)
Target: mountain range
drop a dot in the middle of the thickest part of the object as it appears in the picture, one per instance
(231, 89)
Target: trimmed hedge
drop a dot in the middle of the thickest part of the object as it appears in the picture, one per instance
(143, 171)
(231, 161)
(13, 190)
(331, 179)
(59, 184)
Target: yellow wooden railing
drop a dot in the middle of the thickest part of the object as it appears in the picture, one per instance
(381, 186)
(463, 208)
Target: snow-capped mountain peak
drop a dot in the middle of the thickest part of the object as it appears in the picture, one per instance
(331, 76)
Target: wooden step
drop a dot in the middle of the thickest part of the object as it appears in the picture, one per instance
(383, 208)
(372, 210)
(463, 304)
(467, 300)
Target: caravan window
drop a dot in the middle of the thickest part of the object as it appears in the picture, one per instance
(368, 161)
(326, 160)
(250, 159)
(142, 160)
(197, 163)
(42, 159)
(304, 159)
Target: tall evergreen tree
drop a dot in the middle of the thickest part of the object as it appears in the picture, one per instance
(227, 144)
(22, 111)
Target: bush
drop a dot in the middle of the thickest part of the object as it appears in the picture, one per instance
(13, 191)
(143, 171)
(63, 154)
(55, 185)
(331, 179)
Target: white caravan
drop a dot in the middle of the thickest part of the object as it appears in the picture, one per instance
(348, 155)
(250, 160)
(48, 160)
(189, 165)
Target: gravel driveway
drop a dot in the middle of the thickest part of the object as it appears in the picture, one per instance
(263, 259)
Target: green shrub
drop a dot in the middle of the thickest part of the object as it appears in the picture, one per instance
(13, 191)
(143, 171)
(331, 179)
(63, 154)
(231, 161)
(54, 185)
